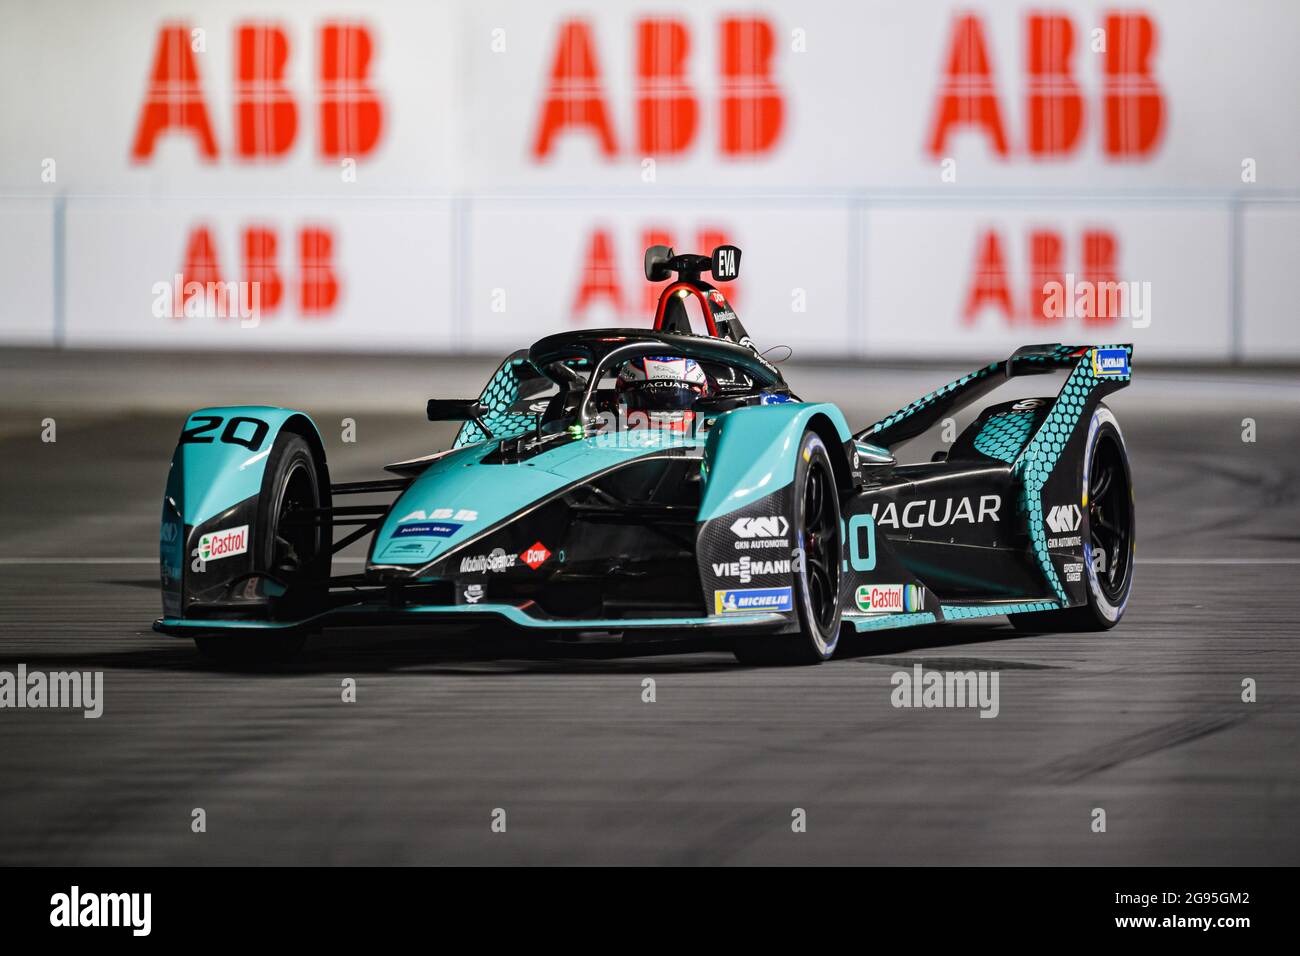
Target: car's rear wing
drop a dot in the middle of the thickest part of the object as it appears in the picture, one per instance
(1104, 362)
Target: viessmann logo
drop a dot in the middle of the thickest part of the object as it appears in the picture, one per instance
(745, 569)
(223, 544)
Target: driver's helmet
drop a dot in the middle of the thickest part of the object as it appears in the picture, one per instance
(664, 388)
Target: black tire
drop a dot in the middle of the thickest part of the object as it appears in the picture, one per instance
(1111, 522)
(816, 524)
(292, 552)
(292, 549)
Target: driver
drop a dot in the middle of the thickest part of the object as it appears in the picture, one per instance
(661, 391)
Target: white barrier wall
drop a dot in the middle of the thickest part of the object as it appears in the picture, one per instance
(27, 263)
(369, 275)
(905, 179)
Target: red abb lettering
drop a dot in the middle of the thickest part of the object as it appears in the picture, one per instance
(266, 119)
(1055, 103)
(200, 266)
(174, 99)
(1046, 258)
(1099, 267)
(1095, 295)
(752, 106)
(990, 285)
(266, 116)
(666, 108)
(318, 284)
(599, 277)
(350, 112)
(575, 97)
(968, 97)
(260, 266)
(1133, 101)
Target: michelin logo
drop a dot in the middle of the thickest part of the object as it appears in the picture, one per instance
(753, 600)
(1110, 362)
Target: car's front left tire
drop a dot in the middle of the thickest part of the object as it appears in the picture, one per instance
(816, 567)
(293, 556)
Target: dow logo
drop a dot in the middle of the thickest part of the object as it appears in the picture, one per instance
(1063, 518)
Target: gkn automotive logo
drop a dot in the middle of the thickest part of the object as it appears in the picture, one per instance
(764, 531)
(1064, 518)
(766, 527)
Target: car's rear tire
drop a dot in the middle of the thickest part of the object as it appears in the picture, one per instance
(1109, 550)
(815, 521)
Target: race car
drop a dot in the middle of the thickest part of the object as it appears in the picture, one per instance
(664, 482)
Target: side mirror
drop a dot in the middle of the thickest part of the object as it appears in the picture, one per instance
(725, 263)
(656, 263)
(457, 410)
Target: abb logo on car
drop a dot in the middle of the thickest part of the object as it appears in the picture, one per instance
(750, 105)
(1131, 105)
(349, 114)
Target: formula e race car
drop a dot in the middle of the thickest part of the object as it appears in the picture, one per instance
(664, 482)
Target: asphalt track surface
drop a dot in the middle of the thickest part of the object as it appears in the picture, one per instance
(1146, 721)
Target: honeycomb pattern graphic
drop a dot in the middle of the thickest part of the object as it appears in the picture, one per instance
(951, 613)
(927, 400)
(1004, 435)
(1040, 456)
(501, 392)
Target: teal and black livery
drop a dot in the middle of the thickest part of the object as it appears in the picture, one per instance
(736, 509)
(210, 545)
